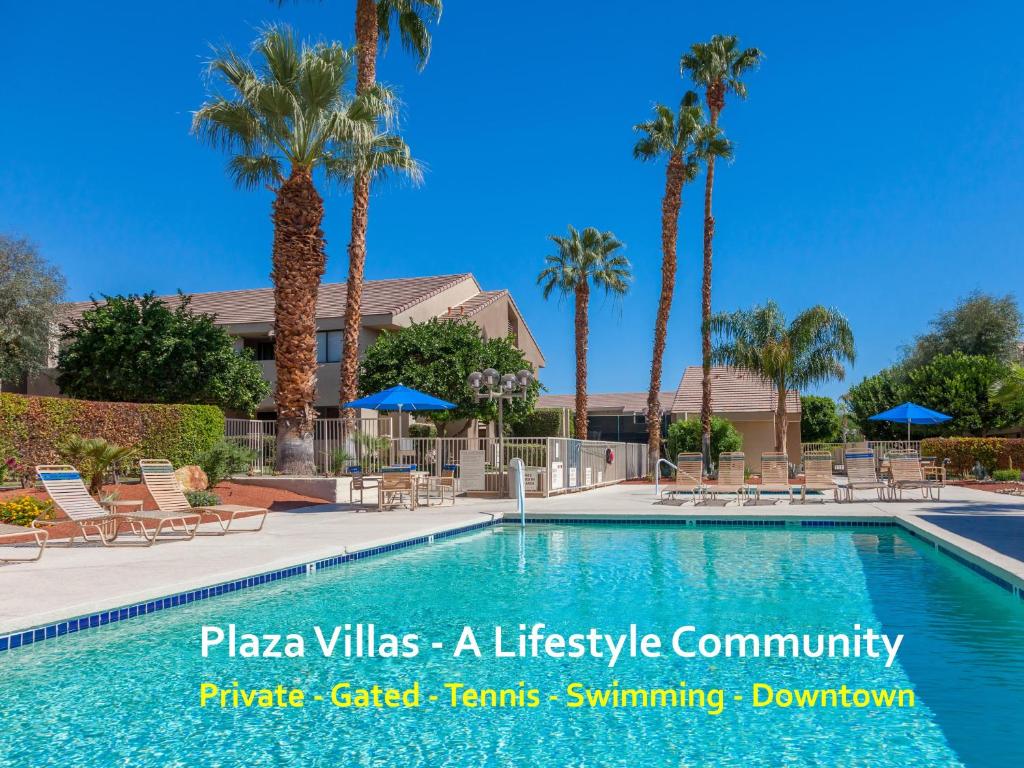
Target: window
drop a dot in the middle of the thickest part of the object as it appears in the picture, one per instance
(328, 347)
(262, 349)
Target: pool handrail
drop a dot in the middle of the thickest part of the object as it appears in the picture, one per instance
(517, 473)
(657, 474)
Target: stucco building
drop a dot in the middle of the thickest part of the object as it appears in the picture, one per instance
(248, 315)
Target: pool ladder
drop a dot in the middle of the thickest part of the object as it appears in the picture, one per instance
(657, 474)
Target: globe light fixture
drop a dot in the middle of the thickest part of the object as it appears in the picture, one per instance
(491, 385)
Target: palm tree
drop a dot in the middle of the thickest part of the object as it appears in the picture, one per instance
(809, 350)
(718, 66)
(586, 259)
(373, 28)
(1009, 391)
(282, 121)
(686, 140)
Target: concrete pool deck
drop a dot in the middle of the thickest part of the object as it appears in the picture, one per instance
(976, 526)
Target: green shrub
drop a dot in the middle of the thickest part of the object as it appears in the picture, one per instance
(373, 448)
(685, 437)
(543, 422)
(94, 458)
(1006, 475)
(341, 460)
(962, 452)
(23, 510)
(34, 430)
(224, 459)
(202, 498)
(422, 430)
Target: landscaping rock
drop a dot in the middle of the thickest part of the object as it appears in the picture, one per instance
(191, 477)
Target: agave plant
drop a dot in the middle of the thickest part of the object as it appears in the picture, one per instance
(94, 457)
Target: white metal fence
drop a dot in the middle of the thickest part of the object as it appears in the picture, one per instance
(881, 449)
(553, 465)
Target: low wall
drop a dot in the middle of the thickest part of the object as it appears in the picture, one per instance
(332, 489)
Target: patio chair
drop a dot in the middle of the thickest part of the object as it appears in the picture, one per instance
(731, 476)
(907, 474)
(360, 483)
(163, 486)
(774, 475)
(65, 486)
(8, 532)
(818, 474)
(444, 484)
(397, 487)
(861, 474)
(689, 477)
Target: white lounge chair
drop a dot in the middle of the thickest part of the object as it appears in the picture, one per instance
(732, 467)
(8, 532)
(862, 474)
(689, 477)
(65, 486)
(818, 474)
(163, 486)
(774, 475)
(907, 474)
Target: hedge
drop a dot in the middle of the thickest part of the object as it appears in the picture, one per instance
(963, 452)
(34, 429)
(542, 422)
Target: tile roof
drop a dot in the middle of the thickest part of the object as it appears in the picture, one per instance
(474, 304)
(733, 390)
(623, 402)
(256, 305)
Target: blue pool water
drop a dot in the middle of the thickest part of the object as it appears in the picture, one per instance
(128, 694)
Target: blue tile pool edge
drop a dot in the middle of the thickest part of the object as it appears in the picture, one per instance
(32, 635)
(946, 548)
(20, 638)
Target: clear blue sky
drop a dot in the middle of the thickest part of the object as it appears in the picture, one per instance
(879, 163)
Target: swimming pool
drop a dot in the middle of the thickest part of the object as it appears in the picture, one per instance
(127, 694)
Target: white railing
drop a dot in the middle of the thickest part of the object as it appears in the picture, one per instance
(881, 449)
(330, 441)
(550, 464)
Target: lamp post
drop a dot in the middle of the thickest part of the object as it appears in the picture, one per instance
(491, 385)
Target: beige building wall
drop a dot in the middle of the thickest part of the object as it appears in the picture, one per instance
(758, 434)
(500, 318)
(494, 320)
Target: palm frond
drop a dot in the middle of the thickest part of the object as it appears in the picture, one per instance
(720, 62)
(280, 53)
(412, 18)
(292, 108)
(254, 171)
(809, 350)
(583, 256)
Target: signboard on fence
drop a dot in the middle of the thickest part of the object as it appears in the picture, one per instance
(572, 477)
(532, 478)
(556, 475)
(471, 470)
(588, 476)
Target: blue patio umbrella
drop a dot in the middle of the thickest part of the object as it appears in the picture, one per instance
(401, 398)
(911, 413)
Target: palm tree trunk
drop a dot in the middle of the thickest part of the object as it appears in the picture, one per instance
(299, 262)
(367, 35)
(354, 297)
(705, 294)
(781, 421)
(670, 205)
(366, 61)
(582, 330)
